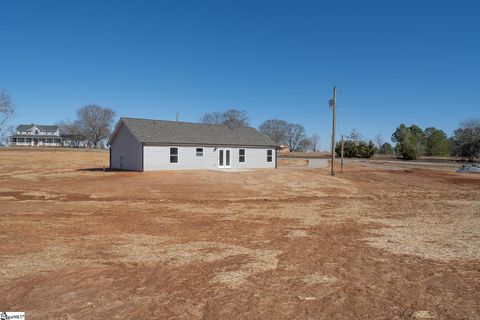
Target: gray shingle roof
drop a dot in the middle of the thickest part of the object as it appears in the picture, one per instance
(25, 127)
(36, 136)
(182, 133)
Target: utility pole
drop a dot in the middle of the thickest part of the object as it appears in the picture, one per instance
(342, 157)
(177, 117)
(333, 104)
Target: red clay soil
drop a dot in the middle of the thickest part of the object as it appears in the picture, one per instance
(291, 243)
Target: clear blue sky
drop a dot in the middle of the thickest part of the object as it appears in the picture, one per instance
(393, 61)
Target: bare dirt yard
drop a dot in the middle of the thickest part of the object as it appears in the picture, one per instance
(293, 243)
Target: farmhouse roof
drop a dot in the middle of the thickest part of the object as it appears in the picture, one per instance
(163, 132)
(25, 127)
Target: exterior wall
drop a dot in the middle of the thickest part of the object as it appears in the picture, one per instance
(158, 158)
(126, 151)
(254, 158)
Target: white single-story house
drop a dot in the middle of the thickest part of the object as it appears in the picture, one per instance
(148, 145)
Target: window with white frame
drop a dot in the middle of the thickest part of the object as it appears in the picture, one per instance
(269, 155)
(199, 152)
(173, 155)
(241, 155)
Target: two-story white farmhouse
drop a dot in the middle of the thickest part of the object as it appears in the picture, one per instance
(147, 145)
(35, 135)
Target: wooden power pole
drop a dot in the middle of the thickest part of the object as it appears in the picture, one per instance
(333, 104)
(341, 170)
(177, 117)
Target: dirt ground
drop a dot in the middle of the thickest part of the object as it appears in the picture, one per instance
(293, 243)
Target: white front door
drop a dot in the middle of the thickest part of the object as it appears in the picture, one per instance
(224, 158)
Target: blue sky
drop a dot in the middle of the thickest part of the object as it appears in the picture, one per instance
(392, 61)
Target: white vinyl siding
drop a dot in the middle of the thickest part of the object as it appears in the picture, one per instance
(126, 151)
(254, 159)
(158, 158)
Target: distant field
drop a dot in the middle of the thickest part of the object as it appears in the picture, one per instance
(291, 243)
(303, 154)
(48, 149)
(327, 155)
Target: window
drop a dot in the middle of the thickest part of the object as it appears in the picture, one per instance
(269, 155)
(199, 152)
(173, 155)
(241, 155)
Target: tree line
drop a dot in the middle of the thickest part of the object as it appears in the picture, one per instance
(291, 135)
(412, 142)
(94, 123)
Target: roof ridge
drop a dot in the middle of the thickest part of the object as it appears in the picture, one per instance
(187, 122)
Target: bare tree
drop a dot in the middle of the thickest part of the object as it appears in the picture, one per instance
(212, 118)
(378, 139)
(5, 136)
(276, 129)
(304, 145)
(95, 123)
(72, 132)
(473, 123)
(466, 139)
(231, 118)
(235, 118)
(6, 107)
(380, 143)
(282, 132)
(314, 139)
(295, 134)
(355, 135)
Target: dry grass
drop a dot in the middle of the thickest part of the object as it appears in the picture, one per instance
(318, 278)
(446, 237)
(292, 162)
(287, 243)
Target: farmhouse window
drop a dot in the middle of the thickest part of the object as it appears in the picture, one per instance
(269, 155)
(173, 155)
(241, 155)
(199, 152)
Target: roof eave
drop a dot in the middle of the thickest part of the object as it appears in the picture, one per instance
(115, 131)
(164, 144)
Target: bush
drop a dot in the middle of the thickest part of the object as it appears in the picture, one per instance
(407, 151)
(365, 150)
(355, 149)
